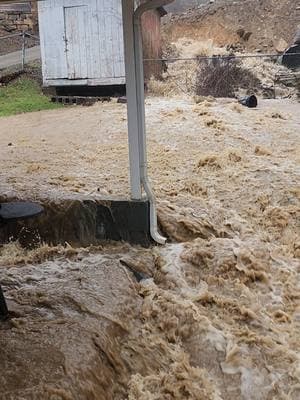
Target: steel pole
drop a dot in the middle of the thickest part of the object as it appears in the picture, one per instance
(132, 101)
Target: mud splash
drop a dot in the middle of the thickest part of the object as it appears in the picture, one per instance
(215, 317)
(66, 315)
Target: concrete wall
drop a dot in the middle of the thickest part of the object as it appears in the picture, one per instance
(81, 222)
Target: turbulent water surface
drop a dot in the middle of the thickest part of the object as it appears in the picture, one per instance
(214, 314)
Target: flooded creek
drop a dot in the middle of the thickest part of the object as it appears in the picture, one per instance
(214, 314)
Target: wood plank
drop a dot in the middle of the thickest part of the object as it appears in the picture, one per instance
(85, 82)
(103, 26)
(52, 34)
(118, 57)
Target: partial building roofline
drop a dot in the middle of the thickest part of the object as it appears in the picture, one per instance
(162, 11)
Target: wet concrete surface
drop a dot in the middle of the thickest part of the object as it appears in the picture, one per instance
(81, 222)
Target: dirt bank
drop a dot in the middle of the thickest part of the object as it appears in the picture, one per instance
(251, 24)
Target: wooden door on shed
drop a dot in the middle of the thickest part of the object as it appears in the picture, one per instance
(52, 32)
(76, 41)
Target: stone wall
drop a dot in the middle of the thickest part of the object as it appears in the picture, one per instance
(18, 17)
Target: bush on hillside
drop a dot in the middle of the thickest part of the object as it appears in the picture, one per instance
(223, 77)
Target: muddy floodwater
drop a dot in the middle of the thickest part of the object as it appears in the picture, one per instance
(214, 314)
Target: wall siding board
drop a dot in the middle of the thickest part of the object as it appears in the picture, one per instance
(96, 67)
(102, 40)
(119, 61)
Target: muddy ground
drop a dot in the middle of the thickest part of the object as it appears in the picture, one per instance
(217, 314)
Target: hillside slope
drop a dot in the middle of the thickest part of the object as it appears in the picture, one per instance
(266, 23)
(182, 5)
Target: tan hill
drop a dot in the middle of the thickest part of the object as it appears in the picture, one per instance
(182, 5)
(253, 24)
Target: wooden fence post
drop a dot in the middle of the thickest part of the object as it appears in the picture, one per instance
(23, 50)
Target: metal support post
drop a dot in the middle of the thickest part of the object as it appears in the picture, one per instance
(136, 105)
(132, 106)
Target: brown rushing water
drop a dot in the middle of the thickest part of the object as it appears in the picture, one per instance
(217, 315)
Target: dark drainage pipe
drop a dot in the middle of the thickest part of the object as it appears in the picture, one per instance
(3, 307)
(249, 101)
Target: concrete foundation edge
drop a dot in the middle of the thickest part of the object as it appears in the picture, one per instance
(83, 223)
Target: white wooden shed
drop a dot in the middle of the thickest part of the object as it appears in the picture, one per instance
(81, 42)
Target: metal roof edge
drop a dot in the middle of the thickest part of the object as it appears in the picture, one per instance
(162, 11)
